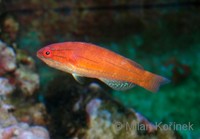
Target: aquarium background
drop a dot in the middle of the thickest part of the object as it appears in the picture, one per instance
(163, 36)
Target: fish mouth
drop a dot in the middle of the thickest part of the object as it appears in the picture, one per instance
(40, 53)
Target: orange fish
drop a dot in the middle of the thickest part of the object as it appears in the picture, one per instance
(89, 60)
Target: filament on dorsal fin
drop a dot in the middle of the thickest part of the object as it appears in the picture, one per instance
(135, 64)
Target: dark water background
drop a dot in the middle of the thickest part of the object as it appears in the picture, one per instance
(164, 37)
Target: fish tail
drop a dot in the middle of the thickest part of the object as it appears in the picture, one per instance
(152, 81)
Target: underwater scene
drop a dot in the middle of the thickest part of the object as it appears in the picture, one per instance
(99, 69)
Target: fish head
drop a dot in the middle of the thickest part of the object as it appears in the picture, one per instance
(47, 56)
(56, 56)
(45, 53)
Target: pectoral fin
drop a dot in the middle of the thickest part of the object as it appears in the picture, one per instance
(118, 85)
(78, 78)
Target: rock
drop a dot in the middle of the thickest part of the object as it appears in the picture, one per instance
(22, 76)
(10, 128)
(17, 111)
(90, 112)
(6, 119)
(7, 59)
(5, 87)
(27, 80)
(10, 28)
(32, 113)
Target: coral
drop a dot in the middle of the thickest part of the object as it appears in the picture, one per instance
(7, 59)
(92, 107)
(6, 118)
(27, 80)
(10, 28)
(22, 76)
(24, 131)
(31, 113)
(11, 128)
(17, 74)
(5, 87)
(89, 112)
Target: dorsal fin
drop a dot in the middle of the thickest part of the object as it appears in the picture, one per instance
(135, 64)
(118, 85)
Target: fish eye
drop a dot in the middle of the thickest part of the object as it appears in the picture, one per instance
(47, 53)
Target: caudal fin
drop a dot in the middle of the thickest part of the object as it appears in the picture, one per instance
(152, 82)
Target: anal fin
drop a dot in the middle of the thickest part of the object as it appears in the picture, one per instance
(118, 85)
